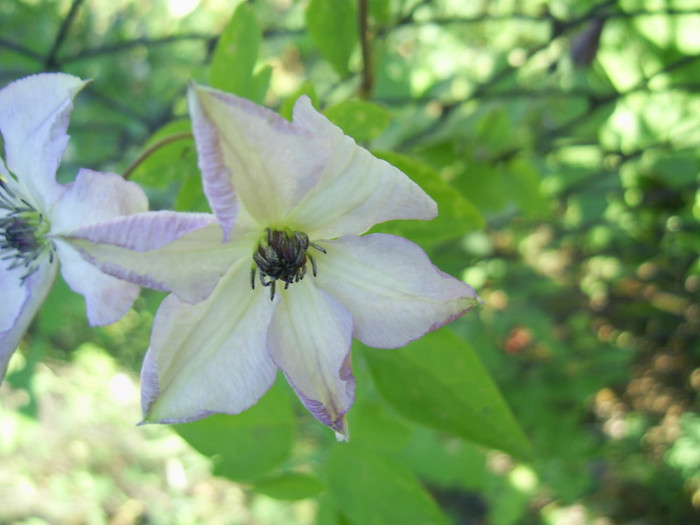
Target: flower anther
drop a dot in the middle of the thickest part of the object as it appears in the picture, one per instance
(283, 256)
(22, 233)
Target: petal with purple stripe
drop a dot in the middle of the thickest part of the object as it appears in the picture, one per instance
(310, 340)
(209, 357)
(396, 295)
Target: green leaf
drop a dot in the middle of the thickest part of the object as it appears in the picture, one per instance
(248, 445)
(373, 425)
(445, 461)
(494, 130)
(374, 489)
(236, 54)
(332, 25)
(328, 513)
(360, 119)
(485, 186)
(260, 84)
(380, 10)
(191, 196)
(439, 381)
(290, 486)
(173, 162)
(677, 170)
(307, 88)
(525, 187)
(456, 214)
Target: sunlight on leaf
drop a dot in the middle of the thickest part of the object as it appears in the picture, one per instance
(439, 381)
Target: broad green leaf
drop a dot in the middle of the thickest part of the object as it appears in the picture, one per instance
(380, 10)
(371, 424)
(456, 214)
(248, 445)
(171, 163)
(677, 170)
(260, 83)
(332, 25)
(328, 513)
(524, 181)
(494, 130)
(439, 381)
(445, 461)
(62, 313)
(191, 196)
(290, 486)
(307, 88)
(236, 54)
(360, 119)
(484, 185)
(374, 489)
(23, 378)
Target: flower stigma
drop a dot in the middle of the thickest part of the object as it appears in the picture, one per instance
(283, 256)
(22, 233)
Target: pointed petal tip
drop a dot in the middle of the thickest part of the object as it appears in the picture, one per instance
(342, 432)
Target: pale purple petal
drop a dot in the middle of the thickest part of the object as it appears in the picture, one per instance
(271, 163)
(209, 357)
(20, 304)
(181, 253)
(107, 298)
(356, 190)
(216, 175)
(393, 291)
(34, 115)
(95, 197)
(310, 340)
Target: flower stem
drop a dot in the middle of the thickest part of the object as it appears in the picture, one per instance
(155, 147)
(367, 73)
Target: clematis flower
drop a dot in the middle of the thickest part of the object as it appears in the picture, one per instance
(37, 213)
(285, 280)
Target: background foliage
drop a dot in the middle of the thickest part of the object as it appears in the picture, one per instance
(561, 141)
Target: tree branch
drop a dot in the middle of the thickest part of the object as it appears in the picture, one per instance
(20, 49)
(51, 63)
(124, 46)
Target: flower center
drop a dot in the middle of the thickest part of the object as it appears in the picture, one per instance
(22, 233)
(283, 256)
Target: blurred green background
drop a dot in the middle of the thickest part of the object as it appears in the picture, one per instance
(561, 140)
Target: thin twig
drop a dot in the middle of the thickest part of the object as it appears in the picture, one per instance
(143, 41)
(155, 147)
(365, 40)
(20, 49)
(488, 17)
(50, 63)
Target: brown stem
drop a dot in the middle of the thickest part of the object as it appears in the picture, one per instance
(155, 147)
(367, 73)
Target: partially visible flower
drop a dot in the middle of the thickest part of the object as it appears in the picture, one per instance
(37, 213)
(297, 279)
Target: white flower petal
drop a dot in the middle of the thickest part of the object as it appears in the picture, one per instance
(216, 175)
(209, 357)
(393, 291)
(20, 304)
(356, 190)
(182, 253)
(34, 114)
(95, 197)
(270, 162)
(310, 340)
(108, 298)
